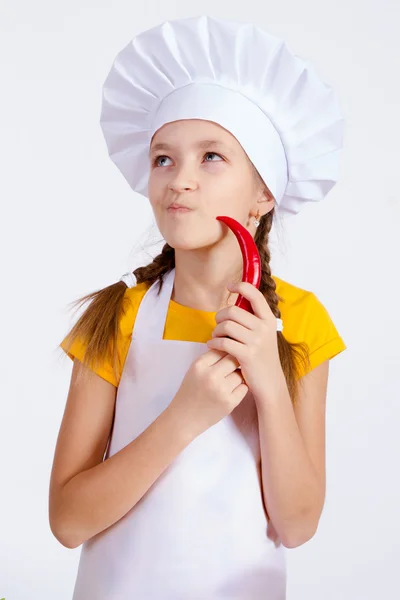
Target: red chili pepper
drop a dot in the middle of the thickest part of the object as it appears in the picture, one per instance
(251, 258)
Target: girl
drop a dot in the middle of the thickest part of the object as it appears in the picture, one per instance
(191, 450)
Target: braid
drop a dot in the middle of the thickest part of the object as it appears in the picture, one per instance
(162, 264)
(291, 355)
(267, 284)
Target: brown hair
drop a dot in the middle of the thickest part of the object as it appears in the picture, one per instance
(98, 324)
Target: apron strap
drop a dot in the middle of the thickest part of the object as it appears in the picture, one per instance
(152, 313)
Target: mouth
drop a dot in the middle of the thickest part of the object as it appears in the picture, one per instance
(178, 209)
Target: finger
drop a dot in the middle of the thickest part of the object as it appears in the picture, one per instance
(212, 356)
(227, 365)
(235, 313)
(225, 362)
(237, 378)
(228, 345)
(258, 303)
(232, 330)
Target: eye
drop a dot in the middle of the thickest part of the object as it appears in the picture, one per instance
(214, 153)
(156, 158)
(154, 163)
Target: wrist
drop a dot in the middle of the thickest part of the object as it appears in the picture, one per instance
(180, 424)
(273, 389)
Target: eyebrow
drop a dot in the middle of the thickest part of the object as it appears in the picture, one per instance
(202, 144)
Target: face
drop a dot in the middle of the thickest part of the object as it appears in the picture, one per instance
(201, 165)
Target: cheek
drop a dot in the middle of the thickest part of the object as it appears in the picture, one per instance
(230, 197)
(155, 192)
(156, 207)
(153, 186)
(157, 178)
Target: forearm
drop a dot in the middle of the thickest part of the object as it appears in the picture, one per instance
(97, 498)
(292, 491)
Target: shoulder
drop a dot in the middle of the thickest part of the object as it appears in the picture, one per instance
(306, 319)
(295, 303)
(130, 305)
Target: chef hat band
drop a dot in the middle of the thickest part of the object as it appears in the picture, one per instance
(212, 102)
(285, 117)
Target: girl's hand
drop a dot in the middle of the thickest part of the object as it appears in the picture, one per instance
(211, 390)
(250, 338)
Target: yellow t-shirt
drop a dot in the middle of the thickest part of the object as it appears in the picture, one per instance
(304, 317)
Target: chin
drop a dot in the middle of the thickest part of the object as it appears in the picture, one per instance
(178, 243)
(181, 241)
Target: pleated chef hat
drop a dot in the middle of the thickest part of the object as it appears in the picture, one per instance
(235, 74)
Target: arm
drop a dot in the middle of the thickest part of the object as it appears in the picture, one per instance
(292, 443)
(88, 495)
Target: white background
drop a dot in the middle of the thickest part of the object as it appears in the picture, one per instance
(71, 224)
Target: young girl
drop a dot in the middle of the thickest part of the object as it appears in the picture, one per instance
(191, 450)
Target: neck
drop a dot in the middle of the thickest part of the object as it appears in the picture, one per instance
(201, 282)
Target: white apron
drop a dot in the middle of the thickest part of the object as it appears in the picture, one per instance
(200, 531)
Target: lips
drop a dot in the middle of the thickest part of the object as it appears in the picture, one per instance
(178, 209)
(176, 206)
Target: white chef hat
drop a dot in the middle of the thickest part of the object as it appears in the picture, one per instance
(235, 74)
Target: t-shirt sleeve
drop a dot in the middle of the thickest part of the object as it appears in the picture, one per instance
(320, 333)
(77, 350)
(125, 327)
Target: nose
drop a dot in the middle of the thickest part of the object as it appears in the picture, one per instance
(181, 182)
(178, 189)
(178, 186)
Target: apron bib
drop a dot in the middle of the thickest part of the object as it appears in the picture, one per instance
(200, 531)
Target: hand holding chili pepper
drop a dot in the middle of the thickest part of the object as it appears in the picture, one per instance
(247, 330)
(252, 339)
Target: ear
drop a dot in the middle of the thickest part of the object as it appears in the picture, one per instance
(267, 200)
(268, 195)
